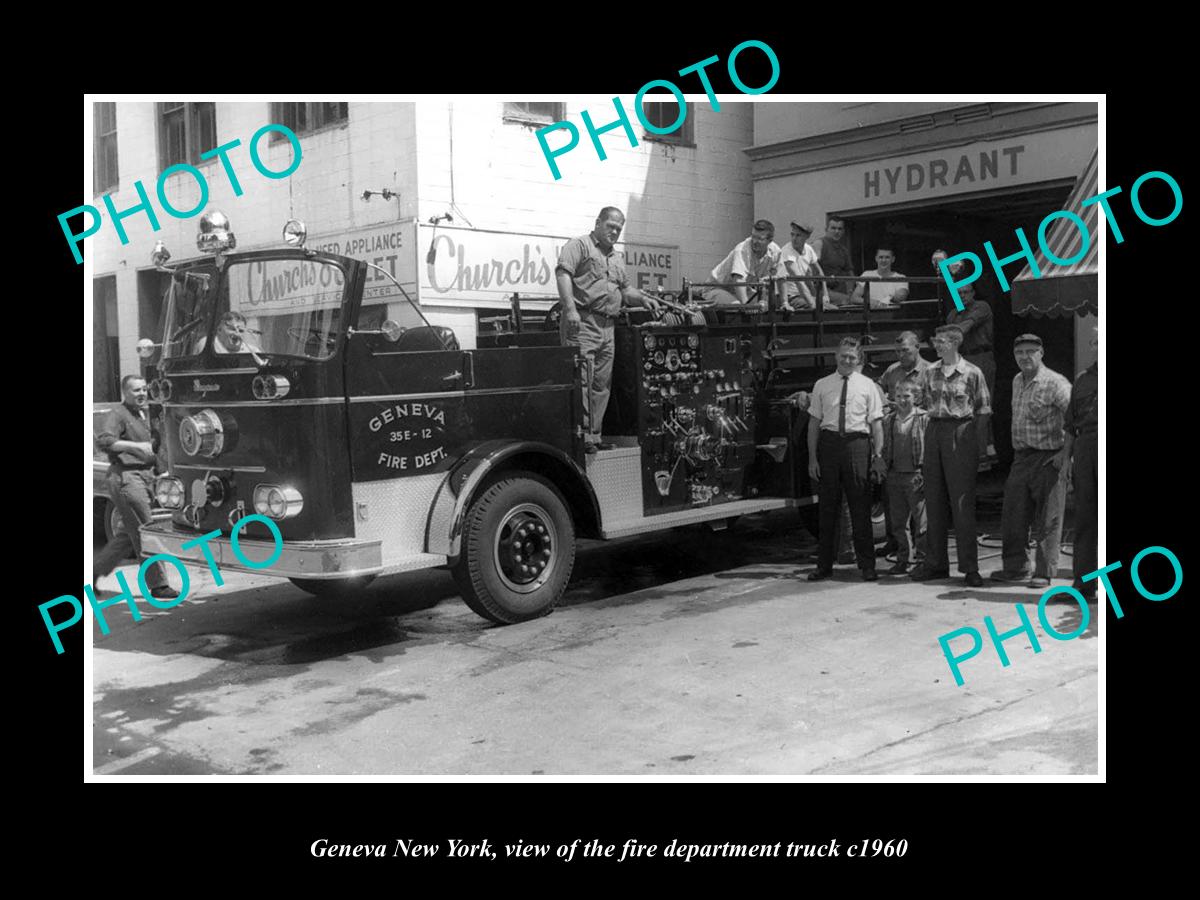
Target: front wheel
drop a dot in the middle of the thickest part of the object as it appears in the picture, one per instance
(518, 549)
(331, 588)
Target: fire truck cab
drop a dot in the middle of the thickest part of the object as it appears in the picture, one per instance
(384, 450)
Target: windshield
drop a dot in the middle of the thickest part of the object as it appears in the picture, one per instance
(289, 306)
(260, 307)
(188, 300)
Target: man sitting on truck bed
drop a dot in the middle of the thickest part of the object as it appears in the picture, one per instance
(752, 260)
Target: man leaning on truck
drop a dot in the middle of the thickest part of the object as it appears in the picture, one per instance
(593, 287)
(130, 443)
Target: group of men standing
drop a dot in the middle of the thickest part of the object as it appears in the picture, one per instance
(919, 430)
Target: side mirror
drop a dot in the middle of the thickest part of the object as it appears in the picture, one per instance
(146, 348)
(295, 233)
(392, 330)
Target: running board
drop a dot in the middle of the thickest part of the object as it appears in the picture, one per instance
(700, 514)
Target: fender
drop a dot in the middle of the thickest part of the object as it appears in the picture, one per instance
(443, 529)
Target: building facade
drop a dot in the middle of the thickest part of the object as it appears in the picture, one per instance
(472, 212)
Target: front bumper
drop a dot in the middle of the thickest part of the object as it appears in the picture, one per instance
(341, 558)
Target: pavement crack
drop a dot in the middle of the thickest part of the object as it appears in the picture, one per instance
(938, 727)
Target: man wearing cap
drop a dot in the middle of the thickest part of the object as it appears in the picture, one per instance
(883, 294)
(1082, 424)
(798, 258)
(1035, 491)
(593, 287)
(833, 253)
(956, 396)
(845, 441)
(752, 260)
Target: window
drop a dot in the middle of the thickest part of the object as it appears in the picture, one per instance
(543, 113)
(104, 169)
(106, 361)
(663, 115)
(185, 130)
(305, 117)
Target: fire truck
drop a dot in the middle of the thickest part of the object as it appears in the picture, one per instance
(380, 450)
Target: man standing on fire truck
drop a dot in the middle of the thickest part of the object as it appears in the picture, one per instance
(593, 287)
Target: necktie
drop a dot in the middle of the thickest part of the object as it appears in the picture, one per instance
(842, 406)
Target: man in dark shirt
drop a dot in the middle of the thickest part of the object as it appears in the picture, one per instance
(1082, 424)
(593, 287)
(976, 322)
(834, 256)
(129, 441)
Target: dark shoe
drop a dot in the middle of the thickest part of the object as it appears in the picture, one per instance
(1007, 577)
(845, 559)
(1039, 582)
(924, 573)
(889, 547)
(1088, 590)
(974, 579)
(589, 448)
(165, 592)
(819, 574)
(898, 569)
(870, 575)
(604, 445)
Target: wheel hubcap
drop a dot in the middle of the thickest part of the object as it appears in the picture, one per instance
(525, 548)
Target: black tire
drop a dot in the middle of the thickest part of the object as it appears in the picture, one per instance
(518, 549)
(332, 588)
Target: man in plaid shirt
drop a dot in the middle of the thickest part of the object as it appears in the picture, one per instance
(1035, 492)
(956, 397)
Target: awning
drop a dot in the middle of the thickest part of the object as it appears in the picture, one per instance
(1062, 290)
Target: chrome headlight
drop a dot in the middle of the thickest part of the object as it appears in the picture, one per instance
(160, 390)
(168, 491)
(270, 387)
(277, 502)
(202, 434)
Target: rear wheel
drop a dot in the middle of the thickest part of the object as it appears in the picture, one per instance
(518, 549)
(106, 521)
(330, 588)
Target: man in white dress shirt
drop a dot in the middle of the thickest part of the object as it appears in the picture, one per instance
(845, 440)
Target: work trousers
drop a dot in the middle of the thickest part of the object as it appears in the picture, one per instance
(595, 340)
(907, 503)
(131, 491)
(951, 461)
(1033, 507)
(1085, 473)
(844, 465)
